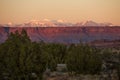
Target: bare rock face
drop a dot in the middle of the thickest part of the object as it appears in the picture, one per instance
(64, 34)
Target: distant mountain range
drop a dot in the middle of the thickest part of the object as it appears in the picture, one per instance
(57, 23)
(92, 23)
(62, 31)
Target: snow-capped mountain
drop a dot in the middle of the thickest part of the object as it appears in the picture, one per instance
(10, 24)
(62, 23)
(92, 23)
(46, 23)
(56, 23)
(37, 23)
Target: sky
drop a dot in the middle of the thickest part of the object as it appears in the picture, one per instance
(20, 11)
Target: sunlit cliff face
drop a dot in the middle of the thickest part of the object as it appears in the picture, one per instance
(64, 34)
(20, 11)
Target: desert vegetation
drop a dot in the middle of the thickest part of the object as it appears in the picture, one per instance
(22, 59)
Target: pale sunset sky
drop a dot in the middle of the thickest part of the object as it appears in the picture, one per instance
(20, 11)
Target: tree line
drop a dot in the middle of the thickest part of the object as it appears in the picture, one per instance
(20, 57)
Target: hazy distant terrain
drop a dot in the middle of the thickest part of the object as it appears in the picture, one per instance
(65, 34)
